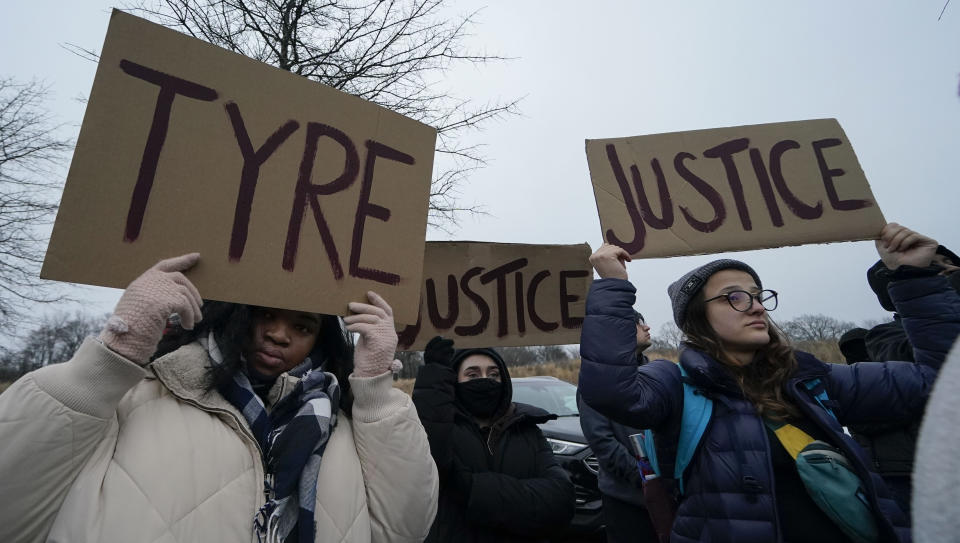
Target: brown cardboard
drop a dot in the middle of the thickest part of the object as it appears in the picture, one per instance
(195, 195)
(772, 185)
(488, 280)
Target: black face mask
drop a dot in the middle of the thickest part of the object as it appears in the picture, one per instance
(481, 397)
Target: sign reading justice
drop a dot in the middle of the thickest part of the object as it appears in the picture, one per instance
(501, 294)
(295, 194)
(728, 189)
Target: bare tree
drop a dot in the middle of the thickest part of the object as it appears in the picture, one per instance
(30, 152)
(390, 52)
(54, 340)
(870, 323)
(668, 338)
(815, 328)
(412, 361)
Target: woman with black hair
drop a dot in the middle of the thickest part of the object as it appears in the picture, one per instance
(236, 429)
(771, 405)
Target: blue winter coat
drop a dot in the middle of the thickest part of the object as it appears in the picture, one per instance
(729, 484)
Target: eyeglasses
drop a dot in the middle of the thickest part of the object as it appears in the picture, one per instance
(742, 301)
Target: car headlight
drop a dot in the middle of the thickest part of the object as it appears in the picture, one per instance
(559, 446)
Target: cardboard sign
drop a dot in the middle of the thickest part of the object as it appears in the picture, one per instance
(730, 189)
(501, 294)
(295, 194)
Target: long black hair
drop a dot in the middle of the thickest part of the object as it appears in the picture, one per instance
(232, 325)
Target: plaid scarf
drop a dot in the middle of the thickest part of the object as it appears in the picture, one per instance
(292, 437)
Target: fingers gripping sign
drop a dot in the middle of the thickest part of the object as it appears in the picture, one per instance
(610, 261)
(900, 246)
(377, 345)
(138, 320)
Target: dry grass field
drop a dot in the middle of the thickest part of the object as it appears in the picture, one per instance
(569, 370)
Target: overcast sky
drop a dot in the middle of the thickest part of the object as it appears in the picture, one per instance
(887, 70)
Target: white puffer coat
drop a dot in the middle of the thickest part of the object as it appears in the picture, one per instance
(99, 449)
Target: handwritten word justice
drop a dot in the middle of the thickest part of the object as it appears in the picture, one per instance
(525, 295)
(641, 211)
(305, 192)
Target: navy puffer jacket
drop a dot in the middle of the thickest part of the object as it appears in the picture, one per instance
(729, 484)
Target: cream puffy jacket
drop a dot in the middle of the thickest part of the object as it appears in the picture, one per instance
(99, 449)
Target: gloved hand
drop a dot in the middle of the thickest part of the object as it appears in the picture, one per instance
(374, 354)
(137, 323)
(438, 351)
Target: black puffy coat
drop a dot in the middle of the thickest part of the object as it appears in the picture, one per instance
(500, 484)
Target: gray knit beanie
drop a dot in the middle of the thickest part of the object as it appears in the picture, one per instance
(686, 288)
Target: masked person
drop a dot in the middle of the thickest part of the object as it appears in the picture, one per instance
(619, 481)
(499, 481)
(770, 403)
(250, 424)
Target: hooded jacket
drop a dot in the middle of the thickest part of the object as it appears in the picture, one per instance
(101, 449)
(729, 483)
(500, 484)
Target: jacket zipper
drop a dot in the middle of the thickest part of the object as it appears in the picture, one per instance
(244, 431)
(773, 485)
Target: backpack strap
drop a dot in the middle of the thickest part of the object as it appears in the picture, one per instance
(697, 410)
(819, 392)
(792, 438)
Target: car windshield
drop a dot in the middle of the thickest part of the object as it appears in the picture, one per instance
(558, 397)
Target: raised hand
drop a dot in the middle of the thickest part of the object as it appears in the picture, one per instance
(138, 320)
(610, 261)
(375, 351)
(900, 246)
(438, 351)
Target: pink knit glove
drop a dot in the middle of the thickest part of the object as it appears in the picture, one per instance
(137, 323)
(377, 346)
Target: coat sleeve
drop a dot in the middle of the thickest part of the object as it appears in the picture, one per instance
(398, 471)
(613, 456)
(929, 310)
(433, 395)
(530, 507)
(896, 392)
(610, 381)
(51, 421)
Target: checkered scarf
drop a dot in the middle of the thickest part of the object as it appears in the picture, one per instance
(292, 437)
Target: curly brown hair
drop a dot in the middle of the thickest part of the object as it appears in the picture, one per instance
(764, 380)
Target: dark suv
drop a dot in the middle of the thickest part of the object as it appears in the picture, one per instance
(569, 446)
